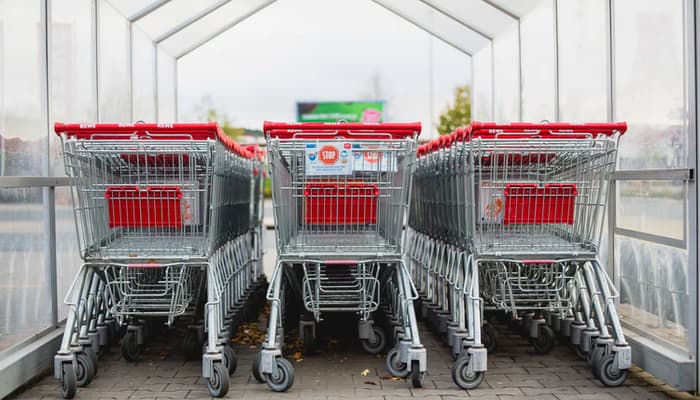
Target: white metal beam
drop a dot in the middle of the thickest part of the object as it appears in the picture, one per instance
(223, 29)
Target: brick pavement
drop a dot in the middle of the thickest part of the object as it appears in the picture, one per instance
(514, 372)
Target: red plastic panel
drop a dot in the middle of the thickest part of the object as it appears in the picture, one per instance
(528, 204)
(154, 207)
(156, 160)
(340, 204)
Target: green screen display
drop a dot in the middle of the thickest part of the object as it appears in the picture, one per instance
(350, 111)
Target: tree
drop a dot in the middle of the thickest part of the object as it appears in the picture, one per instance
(458, 114)
(207, 112)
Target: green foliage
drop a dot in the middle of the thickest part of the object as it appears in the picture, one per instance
(212, 115)
(267, 188)
(459, 113)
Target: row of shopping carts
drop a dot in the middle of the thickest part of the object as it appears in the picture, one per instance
(504, 219)
(340, 195)
(169, 226)
(507, 219)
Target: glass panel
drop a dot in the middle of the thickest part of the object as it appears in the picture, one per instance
(114, 66)
(538, 61)
(144, 69)
(506, 67)
(22, 110)
(167, 94)
(482, 98)
(24, 292)
(653, 289)
(172, 14)
(73, 92)
(582, 65)
(477, 14)
(650, 83)
(651, 206)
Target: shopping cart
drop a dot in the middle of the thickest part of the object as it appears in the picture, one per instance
(163, 215)
(509, 217)
(340, 194)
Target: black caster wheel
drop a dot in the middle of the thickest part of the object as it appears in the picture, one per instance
(90, 351)
(594, 358)
(417, 376)
(544, 343)
(608, 373)
(230, 359)
(308, 340)
(377, 345)
(394, 365)
(256, 369)
(68, 381)
(488, 337)
(131, 350)
(85, 370)
(219, 380)
(579, 351)
(283, 377)
(191, 348)
(463, 376)
(102, 350)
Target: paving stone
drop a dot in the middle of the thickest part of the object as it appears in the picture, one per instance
(515, 372)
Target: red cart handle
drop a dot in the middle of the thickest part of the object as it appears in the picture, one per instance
(354, 130)
(544, 130)
(150, 131)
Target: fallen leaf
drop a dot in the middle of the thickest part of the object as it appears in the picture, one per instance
(365, 372)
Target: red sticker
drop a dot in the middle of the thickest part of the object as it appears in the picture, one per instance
(328, 155)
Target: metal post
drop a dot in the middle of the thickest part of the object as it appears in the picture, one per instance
(612, 195)
(555, 13)
(175, 61)
(96, 5)
(692, 16)
(130, 58)
(48, 193)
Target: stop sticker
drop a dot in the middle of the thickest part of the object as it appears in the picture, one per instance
(328, 155)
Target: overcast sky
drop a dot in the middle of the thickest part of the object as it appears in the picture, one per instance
(306, 50)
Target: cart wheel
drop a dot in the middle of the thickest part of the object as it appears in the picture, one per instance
(283, 377)
(608, 373)
(545, 340)
(118, 332)
(85, 370)
(377, 345)
(130, 349)
(230, 360)
(594, 359)
(488, 337)
(308, 340)
(394, 365)
(102, 350)
(417, 376)
(463, 377)
(90, 351)
(190, 346)
(578, 350)
(219, 380)
(68, 381)
(256, 369)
